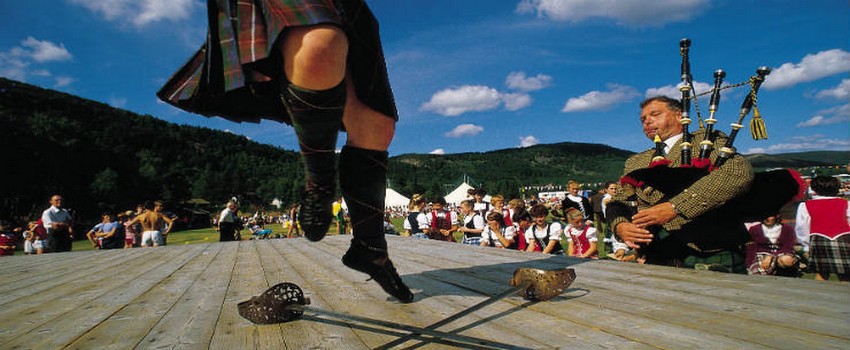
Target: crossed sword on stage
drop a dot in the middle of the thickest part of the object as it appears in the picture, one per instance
(286, 302)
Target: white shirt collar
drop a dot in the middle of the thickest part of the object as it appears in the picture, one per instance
(669, 142)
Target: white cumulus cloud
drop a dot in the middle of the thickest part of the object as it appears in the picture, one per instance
(673, 91)
(829, 116)
(810, 68)
(63, 81)
(626, 12)
(22, 61)
(44, 51)
(139, 12)
(516, 101)
(465, 130)
(600, 100)
(803, 143)
(840, 92)
(519, 81)
(467, 98)
(528, 141)
(438, 151)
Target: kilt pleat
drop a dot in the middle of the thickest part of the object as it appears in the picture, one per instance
(237, 73)
(830, 255)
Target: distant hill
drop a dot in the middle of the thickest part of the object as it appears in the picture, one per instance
(104, 158)
(506, 171)
(799, 160)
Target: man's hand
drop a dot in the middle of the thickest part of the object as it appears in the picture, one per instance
(658, 214)
(632, 234)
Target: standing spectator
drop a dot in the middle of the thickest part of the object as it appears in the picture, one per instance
(339, 216)
(543, 236)
(416, 223)
(574, 199)
(442, 223)
(582, 237)
(497, 234)
(294, 228)
(39, 242)
(29, 236)
(771, 251)
(59, 224)
(473, 224)
(152, 220)
(93, 236)
(229, 222)
(603, 232)
(498, 206)
(8, 239)
(110, 233)
(481, 207)
(823, 227)
(131, 232)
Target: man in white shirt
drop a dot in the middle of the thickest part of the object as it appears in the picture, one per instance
(58, 222)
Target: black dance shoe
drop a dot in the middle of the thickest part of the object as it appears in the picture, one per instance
(316, 213)
(375, 263)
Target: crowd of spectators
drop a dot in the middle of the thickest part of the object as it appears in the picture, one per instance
(815, 238)
(575, 225)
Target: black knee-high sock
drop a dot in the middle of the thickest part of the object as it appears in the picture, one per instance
(317, 118)
(363, 181)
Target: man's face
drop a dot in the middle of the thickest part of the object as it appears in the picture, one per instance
(436, 206)
(656, 118)
(56, 201)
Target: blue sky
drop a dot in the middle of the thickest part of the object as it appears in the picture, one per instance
(476, 75)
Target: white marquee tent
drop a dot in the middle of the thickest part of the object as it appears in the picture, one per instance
(391, 199)
(459, 194)
(394, 199)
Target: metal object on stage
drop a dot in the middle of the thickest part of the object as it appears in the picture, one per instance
(286, 302)
(542, 285)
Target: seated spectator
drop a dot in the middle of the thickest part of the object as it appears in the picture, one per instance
(473, 223)
(8, 239)
(389, 229)
(522, 221)
(497, 234)
(771, 251)
(258, 232)
(582, 237)
(543, 236)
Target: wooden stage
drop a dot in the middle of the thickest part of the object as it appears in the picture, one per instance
(185, 297)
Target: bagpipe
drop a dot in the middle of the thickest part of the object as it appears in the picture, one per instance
(659, 181)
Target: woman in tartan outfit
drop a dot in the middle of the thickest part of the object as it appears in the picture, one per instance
(317, 65)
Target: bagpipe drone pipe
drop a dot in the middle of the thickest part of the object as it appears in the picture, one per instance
(720, 227)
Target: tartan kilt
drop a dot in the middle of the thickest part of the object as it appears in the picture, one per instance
(238, 71)
(829, 256)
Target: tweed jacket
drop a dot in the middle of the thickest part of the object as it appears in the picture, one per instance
(711, 191)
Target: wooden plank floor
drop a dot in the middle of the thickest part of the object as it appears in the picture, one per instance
(185, 297)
